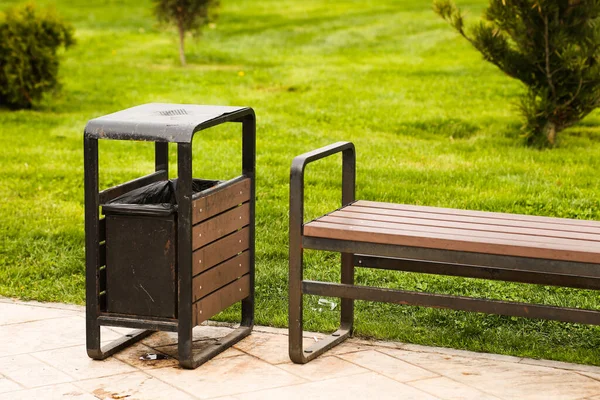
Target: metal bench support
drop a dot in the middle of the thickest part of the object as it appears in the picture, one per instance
(297, 353)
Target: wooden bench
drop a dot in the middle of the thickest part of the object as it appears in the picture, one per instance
(489, 245)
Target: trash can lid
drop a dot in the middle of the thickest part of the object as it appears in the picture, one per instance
(161, 122)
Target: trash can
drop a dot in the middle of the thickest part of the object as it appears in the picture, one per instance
(168, 254)
(141, 231)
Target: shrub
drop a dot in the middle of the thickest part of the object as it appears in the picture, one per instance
(552, 46)
(186, 15)
(28, 54)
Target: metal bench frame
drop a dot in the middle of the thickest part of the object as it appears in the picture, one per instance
(413, 259)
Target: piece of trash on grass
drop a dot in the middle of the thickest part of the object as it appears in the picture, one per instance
(324, 302)
(153, 356)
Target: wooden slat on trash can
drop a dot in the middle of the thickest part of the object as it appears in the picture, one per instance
(220, 275)
(221, 250)
(221, 299)
(220, 225)
(221, 200)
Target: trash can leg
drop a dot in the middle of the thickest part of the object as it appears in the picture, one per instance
(184, 255)
(100, 353)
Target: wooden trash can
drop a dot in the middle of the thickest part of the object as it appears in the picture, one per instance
(168, 254)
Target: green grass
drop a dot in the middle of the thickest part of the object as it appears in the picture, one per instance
(433, 124)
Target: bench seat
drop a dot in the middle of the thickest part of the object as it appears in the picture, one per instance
(461, 230)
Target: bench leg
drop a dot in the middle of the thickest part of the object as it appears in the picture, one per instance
(347, 306)
(298, 354)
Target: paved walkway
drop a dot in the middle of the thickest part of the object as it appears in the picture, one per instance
(42, 356)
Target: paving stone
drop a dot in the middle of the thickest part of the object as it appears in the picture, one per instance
(459, 352)
(45, 335)
(47, 348)
(54, 392)
(363, 386)
(448, 389)
(14, 313)
(389, 366)
(592, 375)
(349, 346)
(173, 351)
(230, 352)
(228, 376)
(136, 385)
(273, 349)
(75, 362)
(7, 385)
(270, 329)
(131, 355)
(203, 332)
(270, 348)
(29, 372)
(32, 303)
(322, 368)
(503, 379)
(562, 365)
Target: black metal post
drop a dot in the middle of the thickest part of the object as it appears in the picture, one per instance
(184, 254)
(161, 157)
(92, 244)
(249, 170)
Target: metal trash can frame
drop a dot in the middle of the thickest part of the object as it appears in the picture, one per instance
(207, 242)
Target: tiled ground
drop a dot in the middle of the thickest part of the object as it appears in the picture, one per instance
(42, 356)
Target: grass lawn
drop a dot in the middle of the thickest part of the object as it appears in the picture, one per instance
(433, 125)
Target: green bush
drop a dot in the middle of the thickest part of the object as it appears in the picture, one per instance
(552, 46)
(29, 42)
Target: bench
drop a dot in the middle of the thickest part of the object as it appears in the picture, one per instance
(488, 245)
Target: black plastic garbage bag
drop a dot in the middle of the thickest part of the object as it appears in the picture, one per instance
(157, 198)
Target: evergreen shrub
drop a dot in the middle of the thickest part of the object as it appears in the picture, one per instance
(29, 59)
(552, 46)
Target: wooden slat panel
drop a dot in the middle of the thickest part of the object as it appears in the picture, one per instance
(221, 200)
(218, 301)
(220, 225)
(221, 250)
(436, 216)
(224, 273)
(451, 242)
(460, 233)
(485, 214)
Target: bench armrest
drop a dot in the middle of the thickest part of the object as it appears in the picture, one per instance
(297, 179)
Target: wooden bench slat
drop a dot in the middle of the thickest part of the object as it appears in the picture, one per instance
(485, 214)
(461, 234)
(435, 216)
(469, 227)
(452, 242)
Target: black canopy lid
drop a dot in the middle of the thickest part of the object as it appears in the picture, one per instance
(162, 122)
